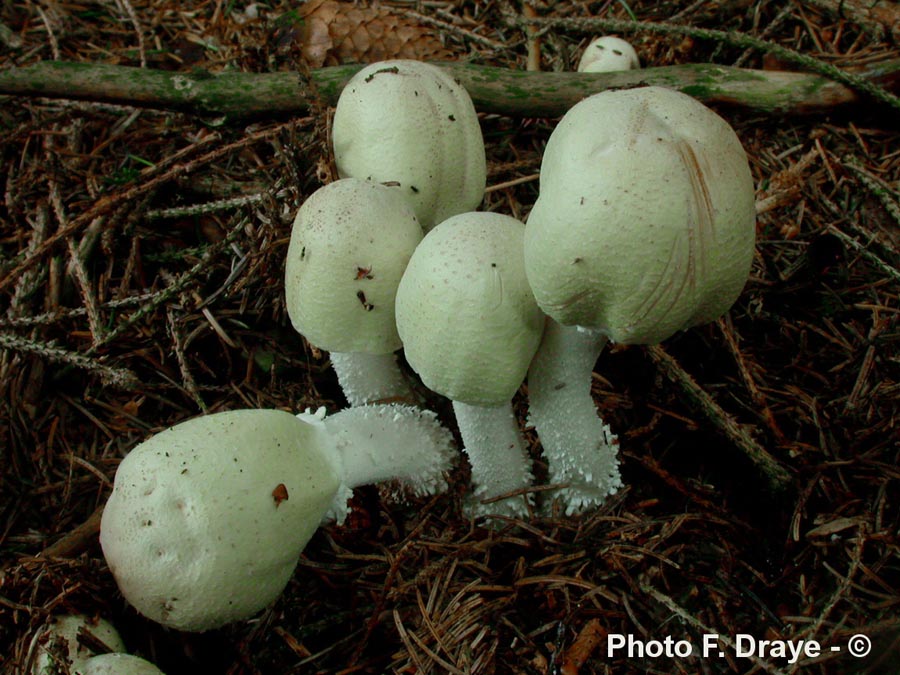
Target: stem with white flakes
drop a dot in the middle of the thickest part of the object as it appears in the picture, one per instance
(580, 449)
(500, 465)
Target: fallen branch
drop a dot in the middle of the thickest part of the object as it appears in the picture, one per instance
(494, 90)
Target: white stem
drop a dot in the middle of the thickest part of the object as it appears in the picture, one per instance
(381, 442)
(496, 450)
(370, 378)
(580, 449)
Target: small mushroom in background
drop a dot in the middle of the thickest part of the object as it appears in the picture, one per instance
(409, 123)
(350, 242)
(58, 645)
(608, 54)
(119, 664)
(644, 226)
(470, 326)
(207, 519)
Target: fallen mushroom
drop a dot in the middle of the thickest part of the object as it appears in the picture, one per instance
(608, 54)
(350, 242)
(207, 519)
(410, 123)
(119, 664)
(58, 646)
(644, 226)
(470, 327)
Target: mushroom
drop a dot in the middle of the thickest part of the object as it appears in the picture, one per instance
(350, 243)
(410, 123)
(644, 226)
(608, 54)
(470, 326)
(57, 643)
(119, 664)
(207, 519)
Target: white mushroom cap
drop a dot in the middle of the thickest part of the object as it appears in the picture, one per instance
(645, 222)
(350, 243)
(119, 664)
(60, 636)
(411, 123)
(467, 317)
(608, 54)
(207, 519)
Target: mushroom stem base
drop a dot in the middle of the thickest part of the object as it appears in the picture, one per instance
(376, 443)
(580, 449)
(496, 451)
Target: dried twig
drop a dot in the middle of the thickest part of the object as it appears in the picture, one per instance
(778, 476)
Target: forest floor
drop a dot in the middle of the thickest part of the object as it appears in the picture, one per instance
(141, 262)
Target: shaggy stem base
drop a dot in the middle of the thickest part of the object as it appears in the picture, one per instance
(580, 449)
(500, 465)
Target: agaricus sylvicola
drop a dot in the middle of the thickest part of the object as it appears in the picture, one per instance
(119, 664)
(644, 226)
(409, 123)
(58, 645)
(470, 326)
(608, 54)
(350, 242)
(207, 519)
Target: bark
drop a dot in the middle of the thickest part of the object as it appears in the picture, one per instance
(493, 90)
(878, 17)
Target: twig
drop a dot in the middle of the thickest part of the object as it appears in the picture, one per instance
(493, 90)
(887, 195)
(121, 378)
(778, 476)
(150, 183)
(698, 625)
(176, 287)
(77, 540)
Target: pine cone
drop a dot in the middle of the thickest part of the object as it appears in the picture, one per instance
(329, 32)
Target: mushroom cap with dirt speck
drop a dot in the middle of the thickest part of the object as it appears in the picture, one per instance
(608, 54)
(119, 664)
(60, 637)
(645, 219)
(410, 123)
(465, 312)
(207, 519)
(350, 242)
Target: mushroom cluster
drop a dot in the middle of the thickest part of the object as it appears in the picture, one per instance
(644, 225)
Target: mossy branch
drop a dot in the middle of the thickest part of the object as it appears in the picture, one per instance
(857, 82)
(495, 90)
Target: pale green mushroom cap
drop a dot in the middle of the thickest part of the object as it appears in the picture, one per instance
(350, 242)
(465, 312)
(207, 520)
(119, 664)
(645, 221)
(409, 122)
(60, 638)
(608, 54)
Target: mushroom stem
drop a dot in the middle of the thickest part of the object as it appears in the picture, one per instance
(580, 449)
(370, 378)
(500, 465)
(376, 443)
